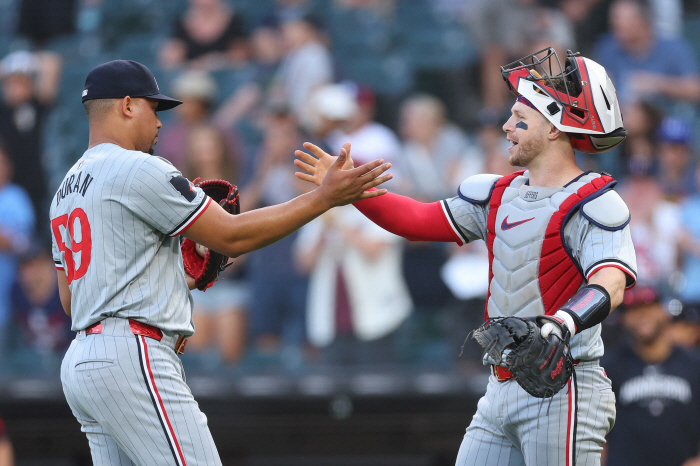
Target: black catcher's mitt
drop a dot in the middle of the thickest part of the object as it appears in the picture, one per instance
(205, 269)
(542, 366)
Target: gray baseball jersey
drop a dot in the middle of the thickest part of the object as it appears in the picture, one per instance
(115, 222)
(545, 242)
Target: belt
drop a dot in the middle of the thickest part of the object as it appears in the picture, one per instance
(502, 374)
(139, 328)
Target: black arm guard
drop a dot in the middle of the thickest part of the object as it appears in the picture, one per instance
(589, 306)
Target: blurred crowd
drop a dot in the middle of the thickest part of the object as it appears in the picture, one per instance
(416, 82)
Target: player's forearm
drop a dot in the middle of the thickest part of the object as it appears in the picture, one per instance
(262, 227)
(406, 217)
(614, 281)
(239, 234)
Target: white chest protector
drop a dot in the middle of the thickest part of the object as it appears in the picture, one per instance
(533, 269)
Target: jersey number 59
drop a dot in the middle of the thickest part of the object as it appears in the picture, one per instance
(83, 246)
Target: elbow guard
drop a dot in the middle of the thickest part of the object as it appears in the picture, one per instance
(588, 307)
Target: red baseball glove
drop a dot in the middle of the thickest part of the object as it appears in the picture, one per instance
(206, 269)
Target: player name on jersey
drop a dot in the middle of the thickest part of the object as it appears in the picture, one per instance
(74, 184)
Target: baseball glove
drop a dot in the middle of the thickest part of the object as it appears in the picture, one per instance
(206, 269)
(541, 366)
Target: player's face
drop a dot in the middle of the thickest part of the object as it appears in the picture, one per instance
(149, 125)
(527, 130)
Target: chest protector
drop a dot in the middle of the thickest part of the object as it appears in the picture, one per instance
(531, 268)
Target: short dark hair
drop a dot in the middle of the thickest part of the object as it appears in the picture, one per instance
(98, 108)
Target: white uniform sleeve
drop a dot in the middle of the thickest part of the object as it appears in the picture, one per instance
(467, 219)
(596, 248)
(164, 199)
(56, 253)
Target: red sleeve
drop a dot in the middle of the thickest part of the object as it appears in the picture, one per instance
(415, 221)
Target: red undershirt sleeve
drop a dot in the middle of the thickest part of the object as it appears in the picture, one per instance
(406, 217)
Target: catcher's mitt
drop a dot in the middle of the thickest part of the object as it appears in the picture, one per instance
(205, 270)
(541, 366)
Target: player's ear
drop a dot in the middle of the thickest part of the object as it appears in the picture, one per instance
(127, 107)
(554, 132)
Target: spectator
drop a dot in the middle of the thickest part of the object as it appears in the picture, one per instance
(504, 37)
(643, 65)
(642, 120)
(330, 108)
(676, 162)
(36, 305)
(306, 66)
(209, 35)
(29, 86)
(7, 456)
(436, 155)
(349, 316)
(278, 291)
(219, 313)
(16, 227)
(369, 139)
(657, 387)
(197, 90)
(267, 49)
(654, 225)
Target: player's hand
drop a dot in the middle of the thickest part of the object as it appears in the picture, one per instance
(190, 281)
(316, 166)
(557, 324)
(342, 186)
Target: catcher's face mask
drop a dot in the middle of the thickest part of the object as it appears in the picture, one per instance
(578, 98)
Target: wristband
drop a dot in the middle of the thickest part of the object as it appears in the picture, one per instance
(588, 307)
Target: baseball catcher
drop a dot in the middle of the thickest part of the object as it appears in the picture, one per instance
(560, 258)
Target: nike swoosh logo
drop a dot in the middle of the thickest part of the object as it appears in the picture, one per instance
(507, 226)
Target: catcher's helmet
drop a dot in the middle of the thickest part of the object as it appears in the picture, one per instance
(578, 99)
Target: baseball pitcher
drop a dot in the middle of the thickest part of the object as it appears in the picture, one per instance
(116, 223)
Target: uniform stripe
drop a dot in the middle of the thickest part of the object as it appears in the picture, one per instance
(451, 222)
(158, 402)
(618, 265)
(572, 423)
(206, 200)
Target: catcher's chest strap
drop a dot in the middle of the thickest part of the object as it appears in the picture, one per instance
(502, 374)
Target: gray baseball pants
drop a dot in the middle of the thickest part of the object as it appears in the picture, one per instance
(130, 396)
(513, 428)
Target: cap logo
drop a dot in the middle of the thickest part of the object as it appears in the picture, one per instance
(84, 92)
(154, 78)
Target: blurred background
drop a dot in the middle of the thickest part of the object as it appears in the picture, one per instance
(342, 344)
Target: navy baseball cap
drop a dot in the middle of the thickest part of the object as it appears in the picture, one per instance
(120, 78)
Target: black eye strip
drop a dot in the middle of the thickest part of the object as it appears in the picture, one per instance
(521, 125)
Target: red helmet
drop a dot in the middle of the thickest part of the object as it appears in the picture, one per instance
(579, 99)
